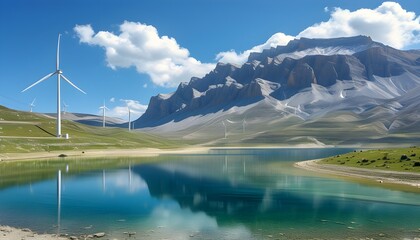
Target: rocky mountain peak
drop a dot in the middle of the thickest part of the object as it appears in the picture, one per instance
(330, 46)
(319, 69)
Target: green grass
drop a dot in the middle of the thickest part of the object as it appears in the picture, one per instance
(396, 159)
(22, 132)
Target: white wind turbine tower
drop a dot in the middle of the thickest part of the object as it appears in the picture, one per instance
(32, 105)
(129, 119)
(65, 106)
(243, 125)
(103, 113)
(224, 125)
(60, 75)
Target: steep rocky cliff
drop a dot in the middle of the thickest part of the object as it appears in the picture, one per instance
(346, 68)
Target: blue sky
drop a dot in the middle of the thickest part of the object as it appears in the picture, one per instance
(118, 51)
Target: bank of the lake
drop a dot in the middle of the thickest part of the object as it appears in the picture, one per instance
(96, 153)
(136, 152)
(387, 178)
(389, 159)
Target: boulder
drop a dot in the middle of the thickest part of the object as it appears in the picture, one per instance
(99, 235)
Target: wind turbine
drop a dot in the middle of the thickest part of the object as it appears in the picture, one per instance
(65, 107)
(103, 113)
(243, 125)
(224, 125)
(129, 119)
(60, 75)
(32, 105)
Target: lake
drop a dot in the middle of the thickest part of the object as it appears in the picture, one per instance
(225, 194)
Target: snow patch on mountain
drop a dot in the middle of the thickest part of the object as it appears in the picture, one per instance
(328, 51)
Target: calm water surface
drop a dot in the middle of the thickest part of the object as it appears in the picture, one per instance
(226, 194)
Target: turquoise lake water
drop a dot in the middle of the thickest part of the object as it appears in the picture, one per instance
(225, 194)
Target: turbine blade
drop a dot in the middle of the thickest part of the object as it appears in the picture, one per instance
(58, 53)
(40, 80)
(72, 83)
(33, 101)
(107, 108)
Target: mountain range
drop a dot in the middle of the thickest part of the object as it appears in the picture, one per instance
(322, 91)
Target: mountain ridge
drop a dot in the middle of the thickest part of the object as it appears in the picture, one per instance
(331, 76)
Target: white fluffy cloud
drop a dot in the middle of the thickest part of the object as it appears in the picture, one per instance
(235, 58)
(140, 45)
(168, 64)
(389, 23)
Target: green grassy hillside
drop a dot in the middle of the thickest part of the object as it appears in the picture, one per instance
(395, 159)
(33, 132)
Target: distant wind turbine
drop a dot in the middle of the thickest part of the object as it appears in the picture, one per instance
(32, 105)
(60, 75)
(224, 125)
(129, 119)
(243, 125)
(103, 107)
(65, 106)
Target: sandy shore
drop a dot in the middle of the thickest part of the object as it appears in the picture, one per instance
(379, 176)
(141, 152)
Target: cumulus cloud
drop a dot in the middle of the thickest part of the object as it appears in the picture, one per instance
(389, 23)
(139, 45)
(168, 64)
(240, 58)
(112, 99)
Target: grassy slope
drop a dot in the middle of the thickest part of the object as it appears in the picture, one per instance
(32, 132)
(381, 159)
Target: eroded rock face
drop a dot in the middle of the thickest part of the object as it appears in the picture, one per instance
(378, 62)
(280, 73)
(302, 76)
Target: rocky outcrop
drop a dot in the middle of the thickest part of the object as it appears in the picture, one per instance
(302, 76)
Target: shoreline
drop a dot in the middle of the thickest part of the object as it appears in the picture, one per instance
(409, 179)
(133, 152)
(95, 153)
